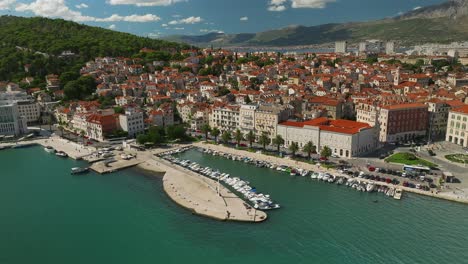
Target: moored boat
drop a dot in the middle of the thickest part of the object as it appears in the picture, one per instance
(49, 149)
(398, 194)
(79, 170)
(61, 154)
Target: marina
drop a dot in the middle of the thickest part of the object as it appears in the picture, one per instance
(356, 183)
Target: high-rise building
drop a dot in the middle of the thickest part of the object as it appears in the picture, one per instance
(11, 123)
(341, 47)
(390, 48)
(362, 47)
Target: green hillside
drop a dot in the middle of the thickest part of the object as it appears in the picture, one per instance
(53, 36)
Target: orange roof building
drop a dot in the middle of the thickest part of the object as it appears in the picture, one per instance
(345, 138)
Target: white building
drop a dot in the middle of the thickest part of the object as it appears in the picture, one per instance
(132, 122)
(345, 138)
(362, 47)
(341, 47)
(11, 123)
(225, 118)
(390, 48)
(30, 110)
(247, 118)
(457, 132)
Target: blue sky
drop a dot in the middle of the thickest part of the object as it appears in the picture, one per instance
(156, 18)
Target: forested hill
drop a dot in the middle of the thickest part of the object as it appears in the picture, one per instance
(39, 41)
(56, 35)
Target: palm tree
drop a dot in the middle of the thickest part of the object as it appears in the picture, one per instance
(264, 140)
(294, 147)
(278, 141)
(326, 152)
(60, 128)
(215, 133)
(206, 129)
(82, 134)
(226, 136)
(309, 148)
(250, 137)
(238, 136)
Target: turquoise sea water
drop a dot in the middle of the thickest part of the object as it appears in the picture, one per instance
(49, 216)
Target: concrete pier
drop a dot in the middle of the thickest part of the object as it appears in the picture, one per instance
(205, 196)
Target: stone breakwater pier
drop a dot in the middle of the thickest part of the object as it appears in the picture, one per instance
(202, 195)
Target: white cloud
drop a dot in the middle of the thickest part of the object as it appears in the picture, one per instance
(130, 18)
(164, 25)
(6, 4)
(244, 18)
(144, 2)
(310, 3)
(58, 8)
(113, 26)
(211, 30)
(416, 8)
(277, 8)
(179, 28)
(82, 5)
(188, 20)
(280, 5)
(277, 5)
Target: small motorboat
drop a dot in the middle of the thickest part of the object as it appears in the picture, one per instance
(49, 149)
(61, 154)
(398, 194)
(79, 170)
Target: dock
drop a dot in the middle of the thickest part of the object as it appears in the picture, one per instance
(101, 167)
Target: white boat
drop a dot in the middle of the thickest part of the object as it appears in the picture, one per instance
(314, 175)
(370, 187)
(49, 149)
(61, 154)
(398, 194)
(78, 170)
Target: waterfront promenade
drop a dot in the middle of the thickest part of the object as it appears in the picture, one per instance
(202, 195)
(73, 150)
(446, 193)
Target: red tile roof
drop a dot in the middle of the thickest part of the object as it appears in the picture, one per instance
(462, 110)
(339, 126)
(404, 106)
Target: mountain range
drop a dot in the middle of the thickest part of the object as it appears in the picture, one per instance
(442, 23)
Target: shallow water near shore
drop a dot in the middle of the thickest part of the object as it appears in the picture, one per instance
(50, 216)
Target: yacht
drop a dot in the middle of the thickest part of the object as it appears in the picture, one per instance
(79, 170)
(398, 194)
(49, 149)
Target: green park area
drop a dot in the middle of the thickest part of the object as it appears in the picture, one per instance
(409, 159)
(459, 158)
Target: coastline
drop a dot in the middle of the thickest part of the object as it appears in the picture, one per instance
(444, 195)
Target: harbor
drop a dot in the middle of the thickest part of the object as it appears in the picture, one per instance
(317, 220)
